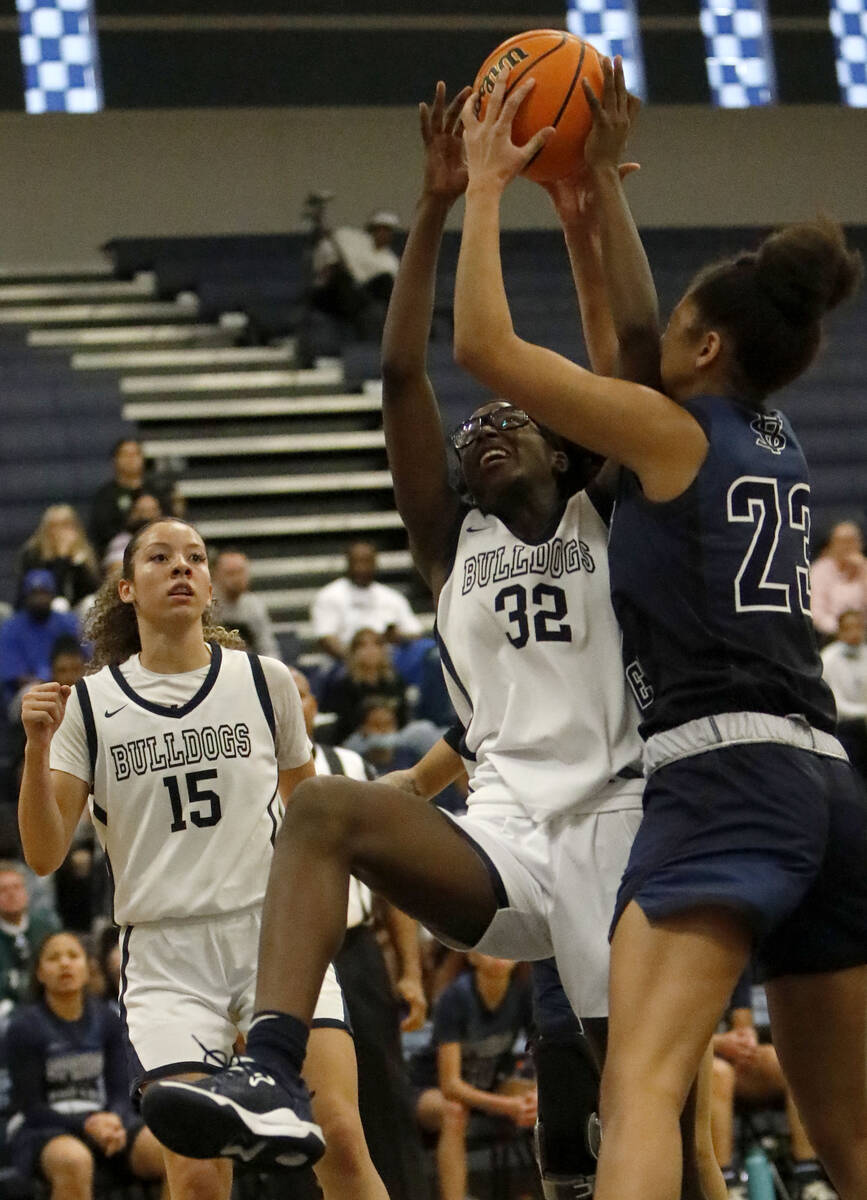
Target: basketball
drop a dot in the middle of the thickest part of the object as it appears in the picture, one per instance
(558, 61)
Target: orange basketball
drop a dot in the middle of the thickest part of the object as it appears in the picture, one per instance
(558, 61)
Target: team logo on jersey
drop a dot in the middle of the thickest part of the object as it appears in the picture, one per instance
(184, 749)
(769, 430)
(642, 688)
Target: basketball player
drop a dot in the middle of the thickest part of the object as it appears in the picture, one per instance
(755, 829)
(189, 747)
(531, 653)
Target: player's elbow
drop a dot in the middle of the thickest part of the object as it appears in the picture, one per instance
(39, 862)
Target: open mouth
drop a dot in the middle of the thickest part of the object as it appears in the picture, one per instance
(494, 454)
(181, 589)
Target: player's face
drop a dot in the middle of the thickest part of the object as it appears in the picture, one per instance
(13, 896)
(62, 966)
(681, 342)
(170, 576)
(497, 458)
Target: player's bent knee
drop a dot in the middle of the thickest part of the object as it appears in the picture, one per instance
(198, 1179)
(67, 1156)
(455, 1117)
(318, 810)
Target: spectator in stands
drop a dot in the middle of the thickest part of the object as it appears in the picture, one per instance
(146, 507)
(60, 544)
(469, 1065)
(748, 1070)
(357, 601)
(367, 672)
(845, 668)
(353, 273)
(838, 578)
(384, 1097)
(67, 666)
(27, 638)
(69, 1081)
(111, 503)
(21, 934)
(239, 608)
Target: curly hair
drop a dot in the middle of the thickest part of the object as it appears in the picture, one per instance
(112, 626)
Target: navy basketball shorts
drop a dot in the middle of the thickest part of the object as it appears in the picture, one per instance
(773, 832)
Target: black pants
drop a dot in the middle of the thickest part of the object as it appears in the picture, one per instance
(384, 1097)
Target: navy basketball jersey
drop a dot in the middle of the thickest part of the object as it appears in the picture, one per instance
(712, 589)
(71, 1067)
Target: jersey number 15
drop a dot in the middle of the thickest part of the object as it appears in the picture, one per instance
(203, 805)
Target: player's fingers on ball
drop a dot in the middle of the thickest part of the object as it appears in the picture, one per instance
(453, 112)
(536, 142)
(608, 92)
(497, 96)
(470, 110)
(619, 82)
(592, 101)
(516, 98)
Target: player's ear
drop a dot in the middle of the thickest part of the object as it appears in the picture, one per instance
(126, 590)
(709, 349)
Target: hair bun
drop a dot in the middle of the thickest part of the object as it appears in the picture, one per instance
(807, 269)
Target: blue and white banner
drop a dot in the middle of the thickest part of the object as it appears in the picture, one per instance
(849, 27)
(612, 27)
(739, 57)
(60, 56)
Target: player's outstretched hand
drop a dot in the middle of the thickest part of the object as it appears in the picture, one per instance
(445, 171)
(493, 159)
(42, 709)
(614, 116)
(524, 1109)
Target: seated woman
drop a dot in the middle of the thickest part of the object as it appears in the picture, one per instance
(368, 672)
(69, 1083)
(469, 1066)
(60, 544)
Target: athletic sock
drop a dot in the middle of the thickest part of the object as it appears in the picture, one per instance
(279, 1042)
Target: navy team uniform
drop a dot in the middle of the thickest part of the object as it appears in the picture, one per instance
(62, 1072)
(751, 802)
(487, 1037)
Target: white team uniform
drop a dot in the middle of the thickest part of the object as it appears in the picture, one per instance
(531, 656)
(184, 777)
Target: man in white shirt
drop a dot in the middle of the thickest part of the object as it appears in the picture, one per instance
(354, 270)
(356, 601)
(238, 607)
(845, 668)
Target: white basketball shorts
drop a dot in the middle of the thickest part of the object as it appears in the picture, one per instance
(188, 987)
(561, 880)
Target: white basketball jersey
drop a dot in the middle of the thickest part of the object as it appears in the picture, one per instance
(185, 800)
(531, 656)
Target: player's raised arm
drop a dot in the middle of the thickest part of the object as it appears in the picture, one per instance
(50, 802)
(627, 282)
(635, 425)
(416, 451)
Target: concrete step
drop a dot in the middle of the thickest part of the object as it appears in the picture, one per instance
(95, 314)
(140, 288)
(133, 335)
(232, 447)
(230, 381)
(284, 485)
(53, 273)
(294, 526)
(329, 566)
(246, 408)
(194, 357)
